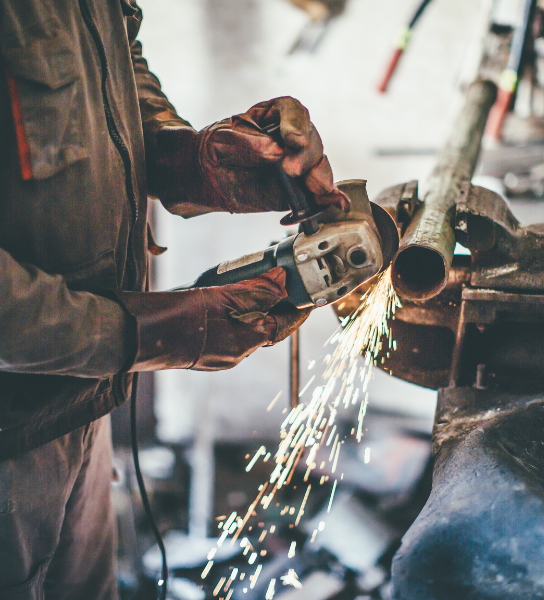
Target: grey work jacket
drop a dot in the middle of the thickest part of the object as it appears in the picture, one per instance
(74, 91)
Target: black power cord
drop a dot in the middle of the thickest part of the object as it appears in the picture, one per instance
(162, 584)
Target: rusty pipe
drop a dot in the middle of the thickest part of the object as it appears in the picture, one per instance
(421, 266)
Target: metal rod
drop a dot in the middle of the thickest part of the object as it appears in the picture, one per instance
(421, 266)
(294, 371)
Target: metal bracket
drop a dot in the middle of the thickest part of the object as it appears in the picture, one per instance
(401, 202)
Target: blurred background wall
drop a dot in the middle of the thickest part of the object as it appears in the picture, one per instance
(216, 58)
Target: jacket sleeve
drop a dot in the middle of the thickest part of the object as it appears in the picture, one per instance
(156, 112)
(49, 329)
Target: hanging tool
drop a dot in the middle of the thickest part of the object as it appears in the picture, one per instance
(402, 42)
(510, 76)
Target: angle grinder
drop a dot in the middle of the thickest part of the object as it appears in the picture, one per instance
(332, 254)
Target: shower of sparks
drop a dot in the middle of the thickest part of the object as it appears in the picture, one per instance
(311, 425)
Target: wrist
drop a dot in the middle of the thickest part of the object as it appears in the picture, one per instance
(170, 328)
(177, 178)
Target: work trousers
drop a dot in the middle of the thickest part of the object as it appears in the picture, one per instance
(57, 525)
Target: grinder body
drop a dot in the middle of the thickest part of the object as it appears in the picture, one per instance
(328, 260)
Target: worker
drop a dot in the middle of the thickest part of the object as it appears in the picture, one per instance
(86, 136)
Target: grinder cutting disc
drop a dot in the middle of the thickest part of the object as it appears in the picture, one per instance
(389, 233)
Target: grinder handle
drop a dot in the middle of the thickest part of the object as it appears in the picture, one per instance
(301, 201)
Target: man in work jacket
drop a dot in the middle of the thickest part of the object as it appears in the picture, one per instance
(85, 136)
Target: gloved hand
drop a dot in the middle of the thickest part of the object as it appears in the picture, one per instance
(232, 165)
(210, 329)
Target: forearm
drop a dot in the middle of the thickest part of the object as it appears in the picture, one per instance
(49, 329)
(156, 112)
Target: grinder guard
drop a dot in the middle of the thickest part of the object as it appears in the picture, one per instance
(348, 249)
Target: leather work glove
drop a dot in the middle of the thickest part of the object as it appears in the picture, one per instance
(232, 165)
(210, 329)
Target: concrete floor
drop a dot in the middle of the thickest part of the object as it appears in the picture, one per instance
(216, 58)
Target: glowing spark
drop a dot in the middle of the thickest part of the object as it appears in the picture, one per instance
(367, 456)
(255, 576)
(219, 586)
(291, 579)
(336, 457)
(292, 549)
(334, 447)
(271, 590)
(260, 452)
(301, 511)
(273, 401)
(229, 594)
(301, 393)
(207, 569)
(230, 520)
(252, 558)
(332, 495)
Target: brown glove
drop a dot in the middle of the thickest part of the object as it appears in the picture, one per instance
(210, 329)
(232, 165)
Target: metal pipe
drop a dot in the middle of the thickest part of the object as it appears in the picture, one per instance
(420, 268)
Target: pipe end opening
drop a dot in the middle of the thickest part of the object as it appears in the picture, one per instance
(419, 273)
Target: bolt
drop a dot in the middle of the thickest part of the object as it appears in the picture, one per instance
(320, 302)
(302, 257)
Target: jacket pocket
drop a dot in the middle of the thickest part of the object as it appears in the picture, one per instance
(43, 83)
(30, 590)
